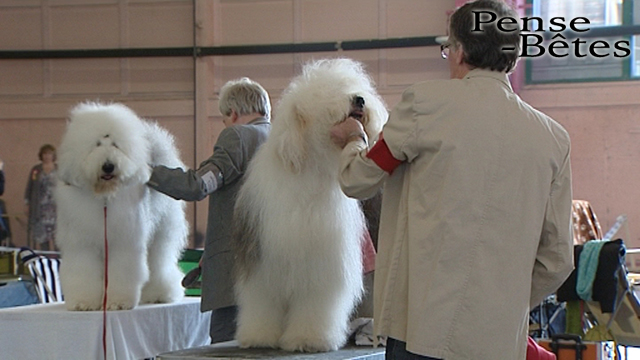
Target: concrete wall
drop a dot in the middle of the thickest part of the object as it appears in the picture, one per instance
(181, 92)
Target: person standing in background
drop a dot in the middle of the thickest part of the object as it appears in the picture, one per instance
(5, 230)
(1, 177)
(40, 206)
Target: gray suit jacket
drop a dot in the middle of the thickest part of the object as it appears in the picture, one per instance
(232, 152)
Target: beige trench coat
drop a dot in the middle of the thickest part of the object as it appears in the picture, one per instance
(475, 224)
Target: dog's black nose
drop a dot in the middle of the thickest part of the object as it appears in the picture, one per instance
(358, 102)
(108, 167)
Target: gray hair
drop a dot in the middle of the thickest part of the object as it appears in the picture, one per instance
(244, 96)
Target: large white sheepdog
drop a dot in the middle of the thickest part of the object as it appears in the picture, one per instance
(299, 261)
(104, 164)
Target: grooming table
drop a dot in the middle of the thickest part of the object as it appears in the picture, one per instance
(230, 351)
(49, 331)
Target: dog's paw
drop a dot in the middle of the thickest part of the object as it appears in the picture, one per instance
(263, 342)
(121, 302)
(161, 294)
(82, 306)
(263, 339)
(305, 344)
(305, 335)
(160, 299)
(111, 306)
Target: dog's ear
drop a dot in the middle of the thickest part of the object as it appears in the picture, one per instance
(65, 173)
(291, 143)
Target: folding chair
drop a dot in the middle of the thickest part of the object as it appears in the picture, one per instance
(624, 322)
(549, 317)
(615, 306)
(46, 275)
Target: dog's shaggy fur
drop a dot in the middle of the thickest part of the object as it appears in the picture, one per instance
(104, 160)
(299, 261)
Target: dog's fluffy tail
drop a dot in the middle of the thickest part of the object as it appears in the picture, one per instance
(162, 147)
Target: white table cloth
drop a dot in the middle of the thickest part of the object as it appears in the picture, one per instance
(49, 331)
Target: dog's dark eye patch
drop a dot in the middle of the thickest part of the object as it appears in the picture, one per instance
(106, 136)
(98, 143)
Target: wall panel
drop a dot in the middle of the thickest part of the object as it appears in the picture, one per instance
(85, 77)
(160, 24)
(21, 77)
(21, 28)
(255, 22)
(35, 95)
(84, 27)
(160, 75)
(418, 18)
(329, 20)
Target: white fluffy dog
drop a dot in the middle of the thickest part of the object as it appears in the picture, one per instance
(299, 260)
(103, 164)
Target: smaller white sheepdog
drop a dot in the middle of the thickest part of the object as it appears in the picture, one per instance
(103, 167)
(299, 259)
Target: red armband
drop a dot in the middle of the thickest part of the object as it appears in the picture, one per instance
(381, 155)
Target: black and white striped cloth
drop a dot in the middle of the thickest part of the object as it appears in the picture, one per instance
(46, 275)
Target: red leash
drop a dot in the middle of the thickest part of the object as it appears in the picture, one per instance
(106, 283)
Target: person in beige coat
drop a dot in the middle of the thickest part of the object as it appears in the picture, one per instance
(476, 210)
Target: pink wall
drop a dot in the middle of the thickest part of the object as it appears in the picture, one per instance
(181, 93)
(602, 119)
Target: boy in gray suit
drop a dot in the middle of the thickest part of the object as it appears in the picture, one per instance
(246, 108)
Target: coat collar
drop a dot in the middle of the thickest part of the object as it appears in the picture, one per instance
(258, 121)
(497, 75)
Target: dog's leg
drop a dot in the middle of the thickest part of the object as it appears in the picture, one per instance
(81, 277)
(127, 272)
(163, 253)
(164, 274)
(260, 315)
(318, 319)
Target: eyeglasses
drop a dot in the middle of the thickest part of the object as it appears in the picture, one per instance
(444, 50)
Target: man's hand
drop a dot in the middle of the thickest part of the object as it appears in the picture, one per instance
(346, 131)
